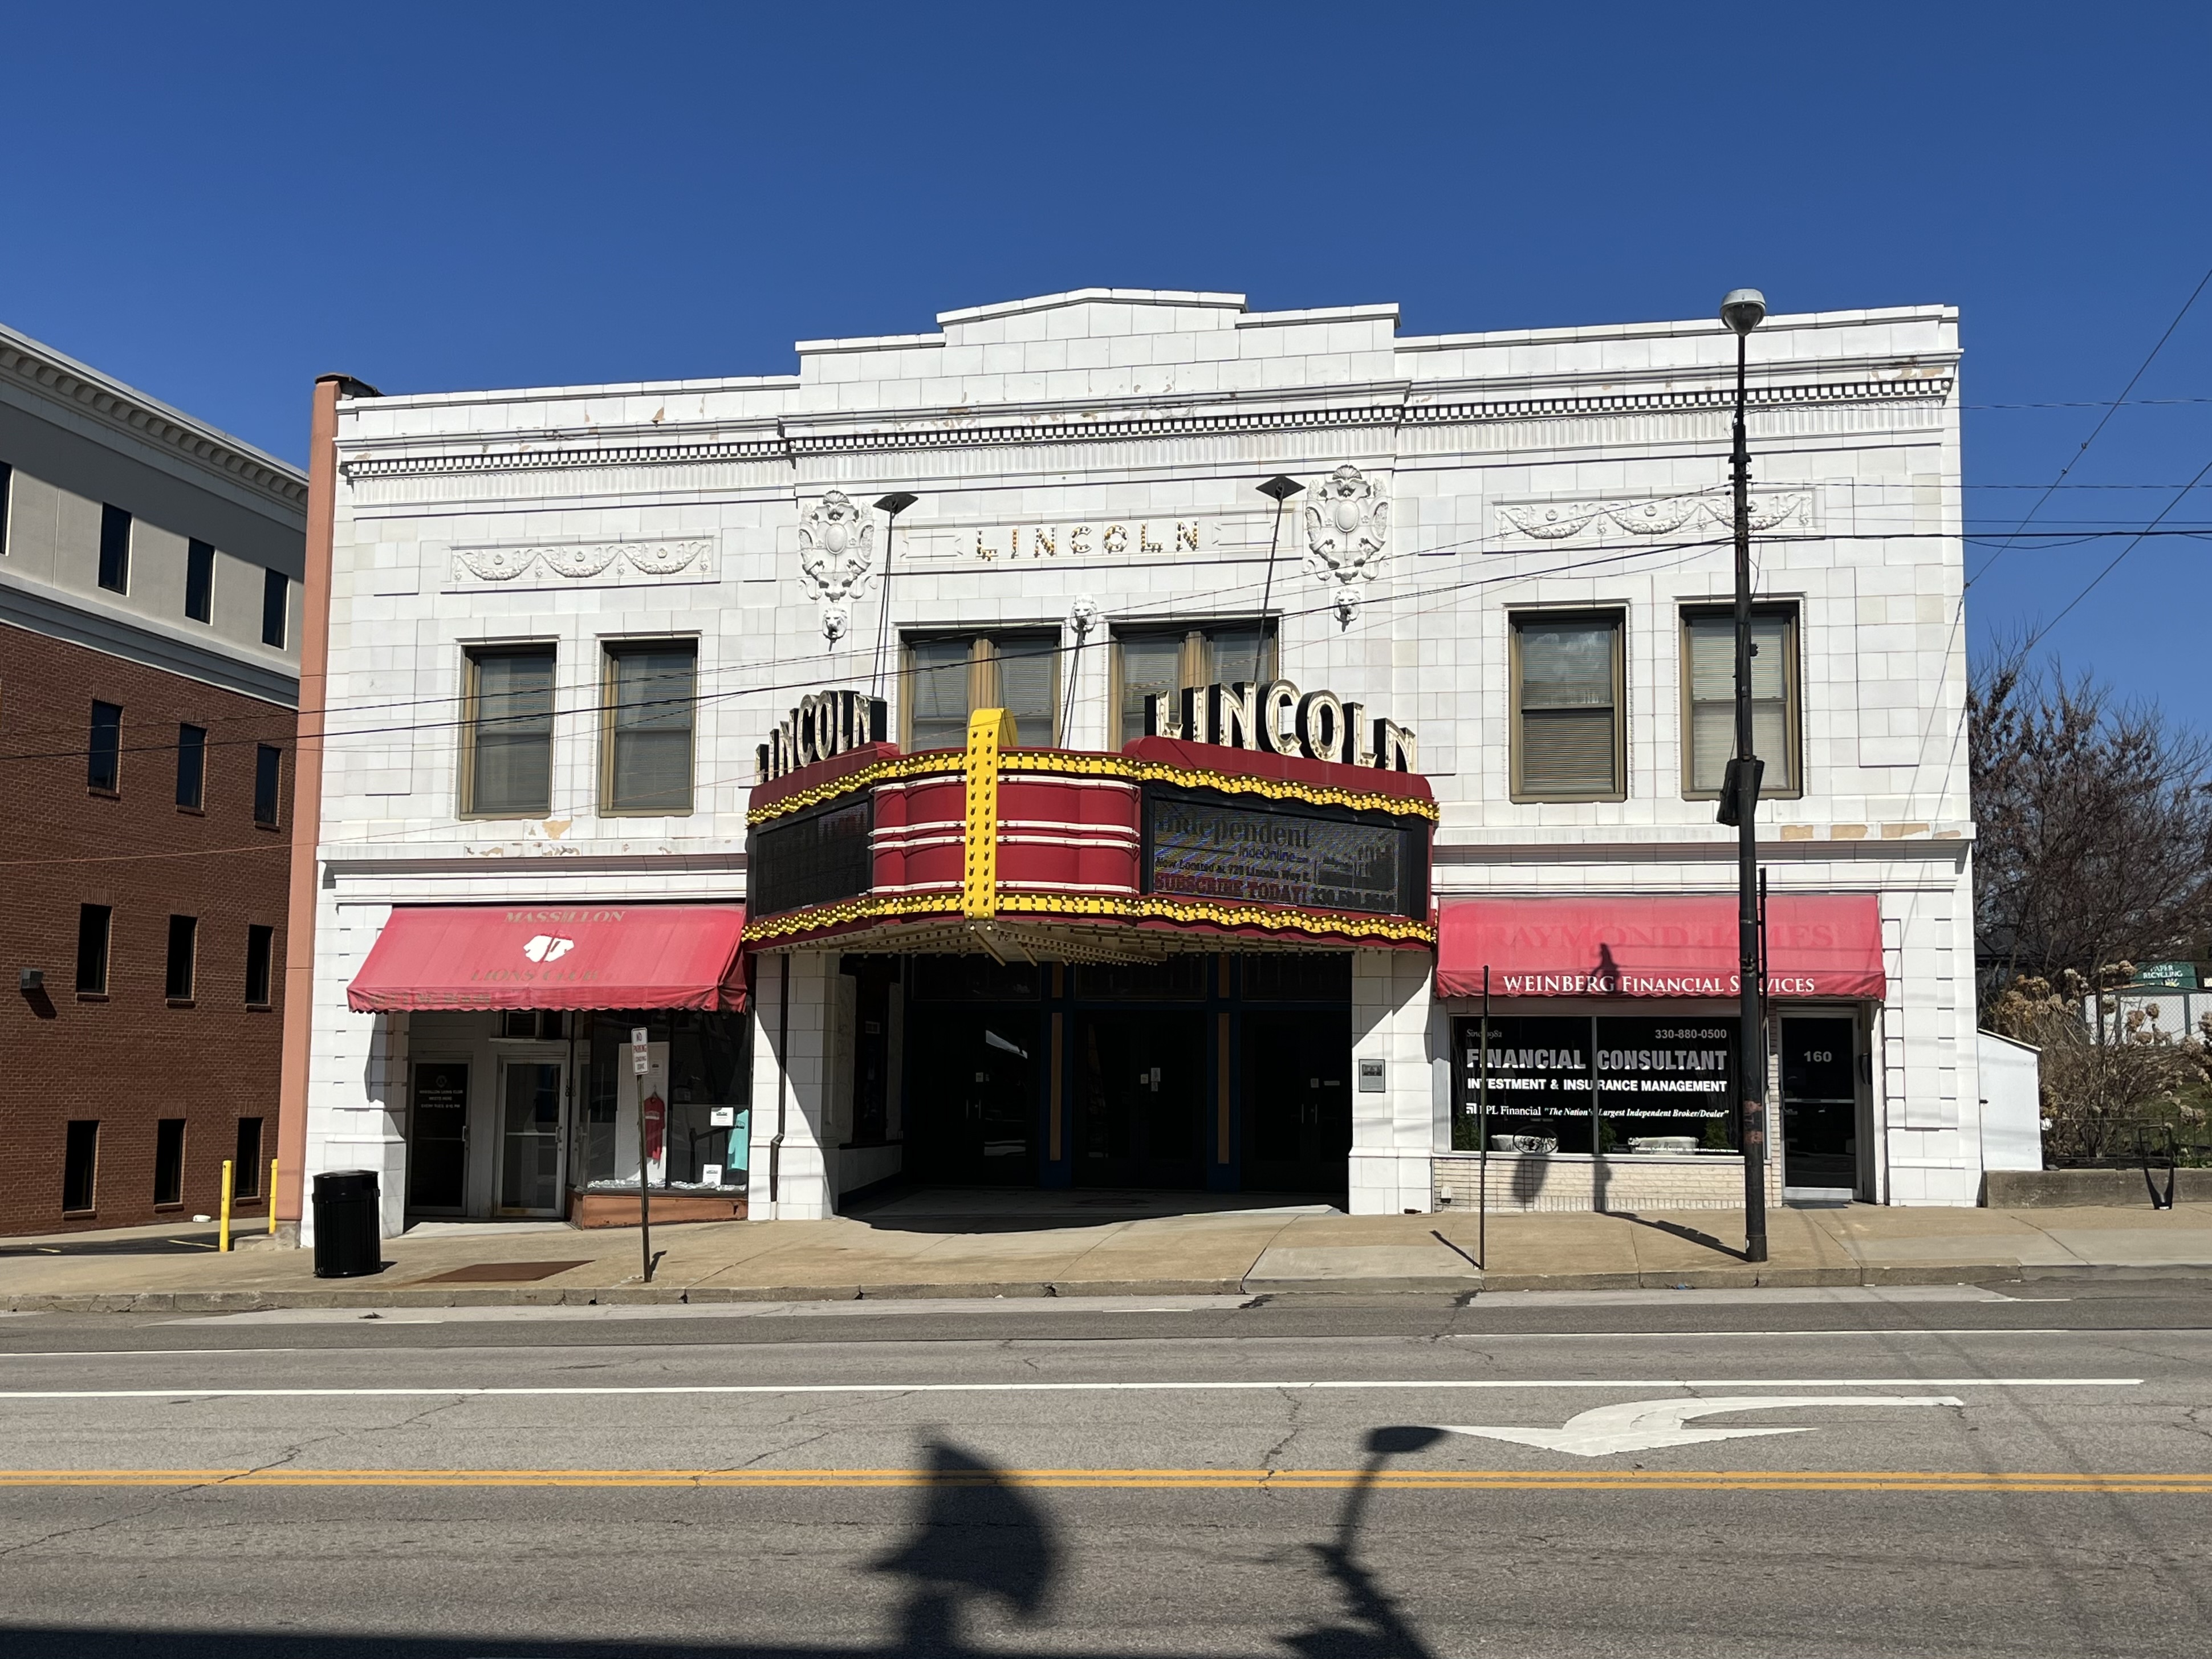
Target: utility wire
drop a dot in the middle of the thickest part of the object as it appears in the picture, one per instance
(2115, 406)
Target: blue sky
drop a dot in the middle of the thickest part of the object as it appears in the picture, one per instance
(217, 203)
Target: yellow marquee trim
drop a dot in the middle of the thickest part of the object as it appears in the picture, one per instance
(1053, 762)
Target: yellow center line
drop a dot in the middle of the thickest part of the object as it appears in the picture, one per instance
(1149, 1480)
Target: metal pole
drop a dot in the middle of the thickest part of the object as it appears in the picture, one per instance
(1482, 1136)
(883, 611)
(1751, 1058)
(645, 1173)
(222, 1237)
(782, 1078)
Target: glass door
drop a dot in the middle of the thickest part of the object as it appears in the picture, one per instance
(438, 1139)
(1298, 1100)
(1140, 1098)
(1819, 1104)
(530, 1137)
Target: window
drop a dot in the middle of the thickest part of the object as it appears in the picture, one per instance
(1569, 743)
(946, 678)
(93, 925)
(267, 778)
(191, 766)
(1631, 1086)
(647, 767)
(245, 1167)
(507, 732)
(80, 1161)
(275, 607)
(169, 1161)
(1709, 701)
(199, 582)
(184, 946)
(1151, 662)
(115, 550)
(533, 1025)
(7, 477)
(104, 760)
(260, 943)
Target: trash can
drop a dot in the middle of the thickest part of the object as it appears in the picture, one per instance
(347, 1241)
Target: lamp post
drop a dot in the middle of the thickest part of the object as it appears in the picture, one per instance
(890, 506)
(1743, 310)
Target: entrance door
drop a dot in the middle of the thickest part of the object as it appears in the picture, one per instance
(1298, 1100)
(438, 1139)
(1820, 1103)
(972, 1100)
(1141, 1093)
(530, 1137)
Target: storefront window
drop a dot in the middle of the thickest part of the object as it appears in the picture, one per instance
(1636, 1085)
(696, 1099)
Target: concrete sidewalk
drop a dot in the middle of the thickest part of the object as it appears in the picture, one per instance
(976, 1251)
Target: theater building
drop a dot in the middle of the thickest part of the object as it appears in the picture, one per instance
(1114, 739)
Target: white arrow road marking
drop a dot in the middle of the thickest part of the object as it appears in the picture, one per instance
(1644, 1424)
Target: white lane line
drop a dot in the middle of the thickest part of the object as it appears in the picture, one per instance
(460, 1389)
(1486, 1338)
(136, 1353)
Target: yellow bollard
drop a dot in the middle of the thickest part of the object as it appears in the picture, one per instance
(222, 1238)
(272, 1194)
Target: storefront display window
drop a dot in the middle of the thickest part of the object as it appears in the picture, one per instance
(1636, 1085)
(695, 1098)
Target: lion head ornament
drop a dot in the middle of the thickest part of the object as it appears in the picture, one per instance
(1347, 531)
(836, 557)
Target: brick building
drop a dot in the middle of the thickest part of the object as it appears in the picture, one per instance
(150, 611)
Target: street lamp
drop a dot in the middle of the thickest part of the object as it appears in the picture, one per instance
(890, 506)
(1743, 310)
(1278, 489)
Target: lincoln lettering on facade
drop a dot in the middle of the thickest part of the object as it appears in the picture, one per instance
(1275, 718)
(825, 723)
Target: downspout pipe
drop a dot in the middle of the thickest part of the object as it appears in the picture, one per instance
(307, 790)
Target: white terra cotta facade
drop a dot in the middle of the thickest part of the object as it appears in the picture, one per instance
(1085, 464)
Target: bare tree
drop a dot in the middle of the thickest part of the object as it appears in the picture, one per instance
(2093, 821)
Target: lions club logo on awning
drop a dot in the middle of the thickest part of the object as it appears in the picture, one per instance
(548, 947)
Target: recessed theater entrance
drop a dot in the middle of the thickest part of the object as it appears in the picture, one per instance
(1220, 1072)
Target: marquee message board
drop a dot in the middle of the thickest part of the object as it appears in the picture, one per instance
(1308, 858)
(816, 857)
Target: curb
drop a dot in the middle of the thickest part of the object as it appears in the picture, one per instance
(529, 1295)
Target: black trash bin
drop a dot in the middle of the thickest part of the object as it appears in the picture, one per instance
(347, 1242)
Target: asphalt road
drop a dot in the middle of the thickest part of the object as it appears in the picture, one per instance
(1936, 1472)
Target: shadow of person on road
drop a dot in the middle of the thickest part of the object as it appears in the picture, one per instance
(1380, 1629)
(978, 1537)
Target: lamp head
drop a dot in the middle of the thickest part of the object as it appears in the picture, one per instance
(896, 502)
(1743, 309)
(1281, 488)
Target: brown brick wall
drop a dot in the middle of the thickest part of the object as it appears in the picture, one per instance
(131, 1058)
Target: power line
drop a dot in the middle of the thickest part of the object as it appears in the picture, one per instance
(2116, 405)
(2036, 638)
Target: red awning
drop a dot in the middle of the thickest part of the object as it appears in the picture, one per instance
(1817, 945)
(618, 955)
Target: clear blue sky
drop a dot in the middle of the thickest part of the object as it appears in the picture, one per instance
(217, 203)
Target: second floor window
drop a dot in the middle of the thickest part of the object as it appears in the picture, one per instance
(650, 694)
(1162, 662)
(199, 582)
(1709, 701)
(184, 952)
(191, 767)
(275, 607)
(946, 678)
(94, 924)
(104, 757)
(268, 784)
(507, 732)
(115, 550)
(1570, 741)
(260, 941)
